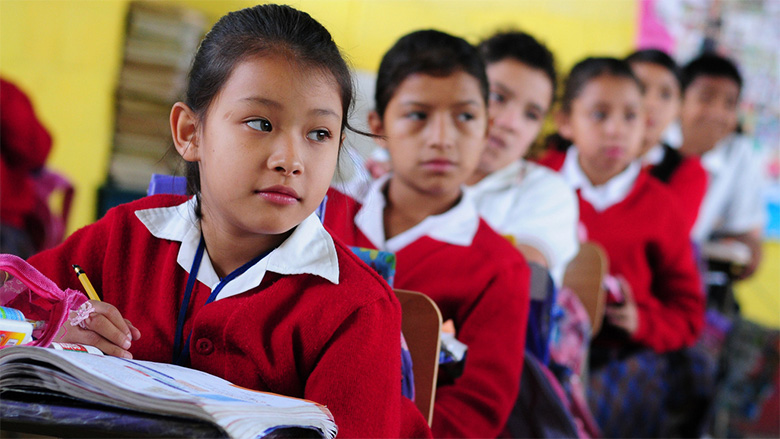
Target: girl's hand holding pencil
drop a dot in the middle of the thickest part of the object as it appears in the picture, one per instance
(98, 324)
(104, 327)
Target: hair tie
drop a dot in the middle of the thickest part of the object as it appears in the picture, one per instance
(82, 314)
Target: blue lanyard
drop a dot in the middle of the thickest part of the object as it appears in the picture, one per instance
(181, 354)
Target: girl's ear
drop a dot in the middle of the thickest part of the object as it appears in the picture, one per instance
(377, 128)
(184, 129)
(563, 122)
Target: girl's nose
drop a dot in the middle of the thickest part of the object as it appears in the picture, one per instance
(616, 126)
(508, 118)
(285, 157)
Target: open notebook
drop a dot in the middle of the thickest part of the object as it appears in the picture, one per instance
(159, 389)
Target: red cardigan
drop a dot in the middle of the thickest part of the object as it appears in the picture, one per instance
(484, 288)
(296, 335)
(24, 147)
(647, 243)
(688, 183)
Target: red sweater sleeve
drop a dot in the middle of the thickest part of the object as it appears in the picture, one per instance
(493, 327)
(348, 380)
(553, 159)
(673, 316)
(689, 183)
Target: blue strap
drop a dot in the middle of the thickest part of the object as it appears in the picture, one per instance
(181, 354)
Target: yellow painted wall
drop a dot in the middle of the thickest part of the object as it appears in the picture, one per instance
(759, 296)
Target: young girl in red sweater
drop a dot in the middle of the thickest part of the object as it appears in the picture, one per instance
(431, 116)
(241, 280)
(684, 175)
(636, 219)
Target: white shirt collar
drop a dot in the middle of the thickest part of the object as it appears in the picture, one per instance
(510, 174)
(457, 226)
(603, 196)
(654, 155)
(716, 159)
(308, 250)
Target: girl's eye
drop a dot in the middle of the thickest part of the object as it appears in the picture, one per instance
(319, 135)
(666, 94)
(532, 115)
(260, 125)
(598, 115)
(630, 116)
(465, 117)
(496, 97)
(416, 115)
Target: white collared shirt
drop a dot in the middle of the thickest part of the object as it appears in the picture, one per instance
(603, 196)
(535, 206)
(308, 250)
(654, 155)
(734, 200)
(456, 226)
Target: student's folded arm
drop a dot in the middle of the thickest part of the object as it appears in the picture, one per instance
(673, 319)
(494, 331)
(358, 376)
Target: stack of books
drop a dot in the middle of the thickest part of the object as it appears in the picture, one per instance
(160, 44)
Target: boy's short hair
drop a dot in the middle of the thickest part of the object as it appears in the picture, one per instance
(710, 64)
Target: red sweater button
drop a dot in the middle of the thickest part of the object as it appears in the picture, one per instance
(204, 346)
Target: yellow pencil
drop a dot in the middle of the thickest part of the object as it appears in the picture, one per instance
(87, 284)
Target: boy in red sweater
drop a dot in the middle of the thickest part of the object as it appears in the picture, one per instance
(431, 114)
(24, 147)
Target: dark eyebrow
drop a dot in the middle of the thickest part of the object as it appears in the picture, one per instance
(278, 105)
(325, 112)
(262, 101)
(503, 88)
(537, 107)
(425, 105)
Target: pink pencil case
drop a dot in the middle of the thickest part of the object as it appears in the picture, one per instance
(37, 297)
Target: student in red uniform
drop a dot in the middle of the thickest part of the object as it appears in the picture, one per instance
(241, 280)
(24, 147)
(685, 176)
(431, 116)
(658, 305)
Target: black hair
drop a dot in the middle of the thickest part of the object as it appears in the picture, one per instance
(523, 48)
(257, 31)
(710, 64)
(659, 58)
(430, 52)
(588, 69)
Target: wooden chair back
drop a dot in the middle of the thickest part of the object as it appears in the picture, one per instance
(585, 276)
(420, 324)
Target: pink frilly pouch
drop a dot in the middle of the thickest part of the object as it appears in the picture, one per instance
(37, 297)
